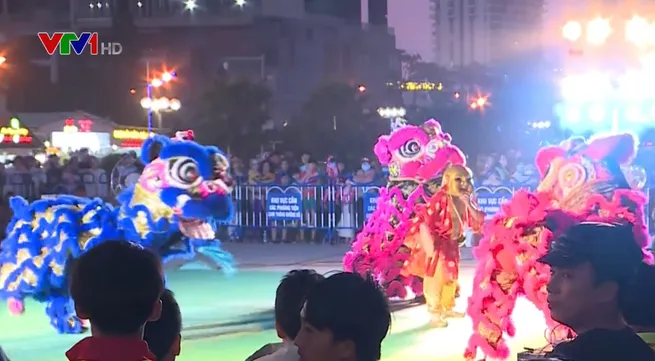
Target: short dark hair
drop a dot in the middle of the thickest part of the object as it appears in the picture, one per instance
(637, 298)
(615, 255)
(161, 334)
(290, 297)
(116, 285)
(611, 248)
(352, 308)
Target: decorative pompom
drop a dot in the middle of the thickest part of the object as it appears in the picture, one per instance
(16, 307)
(381, 150)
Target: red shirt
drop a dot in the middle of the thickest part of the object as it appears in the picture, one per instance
(110, 349)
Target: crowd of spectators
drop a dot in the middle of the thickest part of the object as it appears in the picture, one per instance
(79, 174)
(332, 191)
(331, 187)
(288, 169)
(509, 169)
(324, 208)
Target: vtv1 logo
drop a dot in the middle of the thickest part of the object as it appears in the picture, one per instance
(69, 43)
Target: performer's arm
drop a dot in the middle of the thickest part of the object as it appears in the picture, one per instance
(426, 239)
(475, 215)
(423, 224)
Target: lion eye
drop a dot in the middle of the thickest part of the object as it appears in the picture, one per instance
(184, 172)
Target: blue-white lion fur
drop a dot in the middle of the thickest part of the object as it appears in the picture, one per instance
(43, 236)
(37, 248)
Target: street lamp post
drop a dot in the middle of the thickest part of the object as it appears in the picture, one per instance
(157, 105)
(392, 114)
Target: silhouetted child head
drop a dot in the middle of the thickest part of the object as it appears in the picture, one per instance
(164, 335)
(345, 317)
(116, 286)
(289, 299)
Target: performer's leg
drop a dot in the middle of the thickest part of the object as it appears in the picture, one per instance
(62, 316)
(432, 290)
(431, 294)
(448, 296)
(450, 290)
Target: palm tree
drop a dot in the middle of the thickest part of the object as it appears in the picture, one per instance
(409, 64)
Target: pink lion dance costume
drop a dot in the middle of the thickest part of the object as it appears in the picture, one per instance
(415, 155)
(581, 181)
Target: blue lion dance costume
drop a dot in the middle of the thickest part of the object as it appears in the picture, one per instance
(182, 194)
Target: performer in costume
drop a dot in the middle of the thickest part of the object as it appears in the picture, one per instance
(435, 237)
(580, 181)
(184, 188)
(415, 155)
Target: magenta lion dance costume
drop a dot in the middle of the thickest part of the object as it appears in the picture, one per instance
(415, 155)
(581, 181)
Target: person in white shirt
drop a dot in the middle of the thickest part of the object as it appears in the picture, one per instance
(289, 299)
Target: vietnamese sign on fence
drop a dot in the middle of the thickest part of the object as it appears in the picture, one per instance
(283, 204)
(491, 199)
(370, 199)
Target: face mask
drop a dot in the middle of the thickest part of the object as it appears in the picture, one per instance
(303, 167)
(332, 164)
(366, 167)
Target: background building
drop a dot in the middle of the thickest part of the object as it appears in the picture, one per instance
(292, 45)
(485, 31)
(378, 11)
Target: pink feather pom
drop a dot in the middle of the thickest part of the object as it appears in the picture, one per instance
(16, 307)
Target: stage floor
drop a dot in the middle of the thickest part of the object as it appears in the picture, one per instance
(232, 317)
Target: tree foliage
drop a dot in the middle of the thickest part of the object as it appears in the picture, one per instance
(336, 120)
(232, 114)
(410, 64)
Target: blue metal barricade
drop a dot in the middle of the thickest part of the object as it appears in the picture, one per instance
(21, 184)
(283, 213)
(33, 185)
(263, 210)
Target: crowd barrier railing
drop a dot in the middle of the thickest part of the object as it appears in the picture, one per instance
(32, 186)
(268, 212)
(334, 210)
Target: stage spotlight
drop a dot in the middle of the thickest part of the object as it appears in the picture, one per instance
(633, 114)
(572, 115)
(638, 31)
(570, 87)
(636, 85)
(598, 30)
(597, 113)
(592, 86)
(596, 85)
(572, 31)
